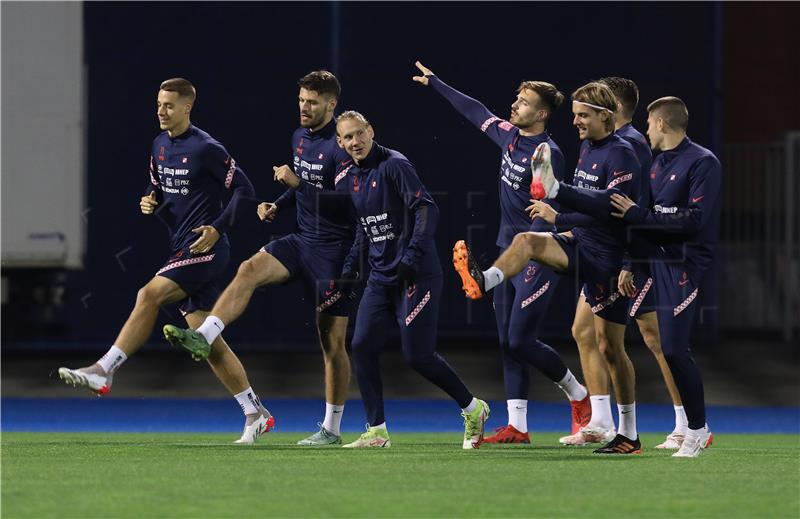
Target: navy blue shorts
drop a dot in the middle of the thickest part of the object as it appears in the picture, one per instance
(198, 275)
(599, 273)
(644, 301)
(318, 264)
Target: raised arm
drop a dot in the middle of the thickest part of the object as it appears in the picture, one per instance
(474, 111)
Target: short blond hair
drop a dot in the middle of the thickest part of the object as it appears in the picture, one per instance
(598, 94)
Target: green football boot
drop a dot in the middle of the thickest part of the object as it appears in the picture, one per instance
(474, 424)
(374, 437)
(189, 340)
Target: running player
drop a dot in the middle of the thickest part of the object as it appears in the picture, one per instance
(520, 303)
(398, 216)
(683, 224)
(190, 172)
(314, 253)
(592, 249)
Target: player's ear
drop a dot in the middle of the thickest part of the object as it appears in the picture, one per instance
(187, 108)
(370, 131)
(339, 142)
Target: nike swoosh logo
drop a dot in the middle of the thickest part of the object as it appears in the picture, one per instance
(335, 412)
(618, 173)
(519, 408)
(215, 324)
(681, 283)
(345, 163)
(329, 292)
(528, 279)
(625, 412)
(695, 200)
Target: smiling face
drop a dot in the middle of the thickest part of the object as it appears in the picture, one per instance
(316, 109)
(355, 137)
(172, 110)
(590, 122)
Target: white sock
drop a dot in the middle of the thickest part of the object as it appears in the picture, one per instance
(112, 360)
(379, 426)
(572, 388)
(211, 328)
(471, 407)
(601, 412)
(492, 277)
(518, 414)
(248, 401)
(333, 418)
(681, 422)
(627, 420)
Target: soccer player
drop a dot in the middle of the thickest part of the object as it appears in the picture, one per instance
(592, 249)
(314, 253)
(683, 224)
(190, 173)
(521, 302)
(637, 282)
(398, 217)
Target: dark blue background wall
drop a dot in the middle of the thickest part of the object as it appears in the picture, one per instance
(244, 59)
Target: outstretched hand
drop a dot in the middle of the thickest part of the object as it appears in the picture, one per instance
(425, 73)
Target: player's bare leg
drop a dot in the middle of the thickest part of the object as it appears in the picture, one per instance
(611, 342)
(261, 269)
(600, 428)
(536, 246)
(648, 326)
(135, 332)
(526, 246)
(332, 333)
(229, 370)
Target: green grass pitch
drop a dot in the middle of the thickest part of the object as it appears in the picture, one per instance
(422, 475)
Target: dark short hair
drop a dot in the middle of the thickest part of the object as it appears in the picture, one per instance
(183, 87)
(548, 93)
(321, 82)
(626, 92)
(673, 110)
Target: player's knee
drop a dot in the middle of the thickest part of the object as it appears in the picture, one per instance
(528, 243)
(148, 296)
(248, 272)
(651, 340)
(417, 361)
(584, 337)
(607, 350)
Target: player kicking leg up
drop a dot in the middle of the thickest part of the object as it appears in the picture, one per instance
(594, 251)
(520, 303)
(313, 254)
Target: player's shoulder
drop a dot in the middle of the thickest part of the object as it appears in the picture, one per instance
(702, 155)
(393, 158)
(205, 143)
